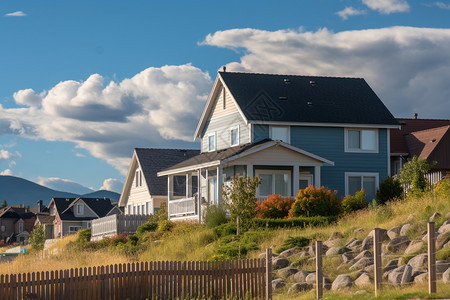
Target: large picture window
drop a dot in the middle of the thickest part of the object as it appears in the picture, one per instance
(274, 182)
(361, 140)
(354, 182)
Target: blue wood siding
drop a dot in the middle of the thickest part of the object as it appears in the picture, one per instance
(328, 142)
(260, 132)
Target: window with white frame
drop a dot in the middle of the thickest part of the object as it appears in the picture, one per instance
(138, 178)
(361, 140)
(80, 209)
(280, 133)
(234, 134)
(274, 182)
(354, 182)
(212, 142)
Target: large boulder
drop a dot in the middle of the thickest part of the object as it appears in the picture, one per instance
(394, 232)
(391, 265)
(405, 229)
(414, 247)
(407, 275)
(299, 287)
(395, 276)
(446, 276)
(363, 280)
(383, 234)
(355, 245)
(444, 228)
(419, 261)
(280, 263)
(278, 284)
(300, 276)
(364, 253)
(336, 251)
(423, 277)
(290, 252)
(336, 235)
(442, 239)
(342, 282)
(350, 241)
(286, 272)
(311, 278)
(367, 243)
(441, 266)
(362, 263)
(347, 257)
(398, 243)
(312, 249)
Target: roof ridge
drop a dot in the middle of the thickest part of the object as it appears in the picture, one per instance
(430, 129)
(179, 149)
(293, 75)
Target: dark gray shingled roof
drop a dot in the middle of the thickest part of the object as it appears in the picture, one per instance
(206, 157)
(293, 98)
(154, 160)
(101, 206)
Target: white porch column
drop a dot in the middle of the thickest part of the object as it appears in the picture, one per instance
(169, 192)
(219, 185)
(188, 185)
(296, 179)
(317, 176)
(199, 195)
(250, 170)
(207, 186)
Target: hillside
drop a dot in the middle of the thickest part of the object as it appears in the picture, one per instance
(16, 190)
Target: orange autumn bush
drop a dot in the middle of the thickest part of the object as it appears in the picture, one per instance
(315, 201)
(274, 207)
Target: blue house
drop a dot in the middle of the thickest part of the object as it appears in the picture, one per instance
(291, 131)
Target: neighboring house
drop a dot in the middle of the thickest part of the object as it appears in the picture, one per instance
(143, 191)
(291, 131)
(46, 221)
(424, 138)
(39, 208)
(73, 214)
(16, 224)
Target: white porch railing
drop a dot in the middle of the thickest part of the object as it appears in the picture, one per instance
(115, 224)
(180, 207)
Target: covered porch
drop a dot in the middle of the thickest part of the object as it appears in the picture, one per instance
(283, 169)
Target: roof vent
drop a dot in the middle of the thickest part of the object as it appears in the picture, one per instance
(433, 140)
(287, 81)
(283, 98)
(309, 103)
(224, 68)
(312, 82)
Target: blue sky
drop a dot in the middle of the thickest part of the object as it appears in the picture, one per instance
(82, 83)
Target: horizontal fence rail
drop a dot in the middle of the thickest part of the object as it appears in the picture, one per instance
(181, 207)
(161, 280)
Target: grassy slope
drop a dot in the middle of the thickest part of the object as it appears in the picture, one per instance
(197, 243)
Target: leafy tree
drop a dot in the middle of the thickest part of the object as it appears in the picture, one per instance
(389, 189)
(215, 216)
(5, 204)
(240, 199)
(37, 238)
(413, 168)
(160, 214)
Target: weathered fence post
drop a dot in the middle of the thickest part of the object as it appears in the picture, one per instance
(319, 274)
(431, 258)
(268, 273)
(377, 259)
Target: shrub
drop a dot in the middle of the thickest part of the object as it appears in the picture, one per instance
(215, 216)
(442, 187)
(117, 239)
(292, 242)
(413, 167)
(231, 247)
(37, 239)
(84, 236)
(160, 214)
(149, 226)
(313, 201)
(274, 207)
(225, 229)
(165, 225)
(299, 222)
(389, 189)
(354, 203)
(240, 199)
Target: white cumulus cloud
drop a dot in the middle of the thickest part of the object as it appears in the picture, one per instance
(387, 6)
(350, 11)
(407, 67)
(7, 172)
(112, 184)
(18, 13)
(442, 5)
(64, 185)
(158, 107)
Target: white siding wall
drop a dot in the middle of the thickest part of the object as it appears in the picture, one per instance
(139, 195)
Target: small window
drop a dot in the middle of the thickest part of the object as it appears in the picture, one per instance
(3, 229)
(224, 98)
(280, 133)
(20, 227)
(361, 140)
(354, 182)
(130, 210)
(80, 209)
(212, 142)
(137, 178)
(234, 136)
(74, 229)
(143, 209)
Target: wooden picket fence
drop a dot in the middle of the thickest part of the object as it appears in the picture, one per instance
(149, 280)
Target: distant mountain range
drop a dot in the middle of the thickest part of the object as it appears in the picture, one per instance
(16, 190)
